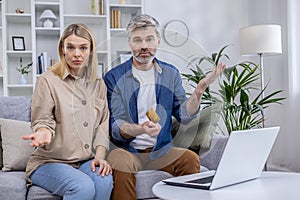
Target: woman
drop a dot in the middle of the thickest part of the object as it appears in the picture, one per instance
(69, 119)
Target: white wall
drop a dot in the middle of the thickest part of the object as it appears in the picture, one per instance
(216, 23)
(213, 24)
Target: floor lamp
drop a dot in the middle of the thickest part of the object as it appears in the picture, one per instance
(261, 40)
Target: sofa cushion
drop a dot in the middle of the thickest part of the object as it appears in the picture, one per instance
(38, 193)
(146, 179)
(144, 182)
(198, 133)
(12, 185)
(16, 152)
(15, 107)
(1, 151)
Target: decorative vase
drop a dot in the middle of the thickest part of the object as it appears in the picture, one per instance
(22, 79)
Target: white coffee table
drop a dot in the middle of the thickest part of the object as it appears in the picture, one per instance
(270, 186)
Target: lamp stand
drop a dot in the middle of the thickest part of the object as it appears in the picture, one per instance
(261, 62)
(262, 81)
(262, 86)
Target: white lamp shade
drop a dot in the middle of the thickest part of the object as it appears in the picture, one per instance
(47, 15)
(260, 39)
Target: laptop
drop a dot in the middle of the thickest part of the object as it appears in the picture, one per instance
(243, 159)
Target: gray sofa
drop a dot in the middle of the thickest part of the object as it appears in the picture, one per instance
(15, 113)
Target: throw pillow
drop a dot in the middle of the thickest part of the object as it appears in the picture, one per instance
(1, 151)
(16, 151)
(198, 133)
(15, 107)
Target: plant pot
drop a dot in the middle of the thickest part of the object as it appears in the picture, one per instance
(22, 79)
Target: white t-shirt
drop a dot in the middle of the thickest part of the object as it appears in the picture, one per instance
(146, 99)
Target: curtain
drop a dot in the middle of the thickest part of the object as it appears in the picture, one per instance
(286, 154)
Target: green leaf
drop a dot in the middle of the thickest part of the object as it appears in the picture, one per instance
(244, 102)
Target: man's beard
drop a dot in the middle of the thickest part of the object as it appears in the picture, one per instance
(143, 60)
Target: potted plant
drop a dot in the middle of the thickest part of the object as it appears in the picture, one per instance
(24, 70)
(241, 96)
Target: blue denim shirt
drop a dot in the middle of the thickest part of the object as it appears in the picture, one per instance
(122, 93)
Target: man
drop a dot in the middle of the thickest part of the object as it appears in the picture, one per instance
(141, 83)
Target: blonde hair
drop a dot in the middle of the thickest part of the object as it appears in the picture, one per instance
(83, 31)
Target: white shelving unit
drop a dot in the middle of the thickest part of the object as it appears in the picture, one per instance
(118, 36)
(14, 24)
(38, 39)
(1, 52)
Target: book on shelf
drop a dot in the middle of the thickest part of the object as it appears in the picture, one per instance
(39, 68)
(97, 7)
(1, 70)
(100, 69)
(115, 18)
(44, 61)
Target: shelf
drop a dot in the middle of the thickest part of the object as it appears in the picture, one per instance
(86, 19)
(18, 18)
(20, 86)
(47, 1)
(126, 6)
(86, 16)
(14, 54)
(118, 30)
(40, 6)
(101, 52)
(125, 2)
(48, 31)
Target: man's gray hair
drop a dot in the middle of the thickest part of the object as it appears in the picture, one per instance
(142, 21)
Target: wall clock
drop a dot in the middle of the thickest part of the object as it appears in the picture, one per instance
(175, 33)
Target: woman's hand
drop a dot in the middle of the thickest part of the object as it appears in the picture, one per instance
(104, 167)
(40, 138)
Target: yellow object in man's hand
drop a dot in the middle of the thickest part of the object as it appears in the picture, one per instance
(152, 115)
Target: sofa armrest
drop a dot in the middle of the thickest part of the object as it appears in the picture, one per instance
(210, 158)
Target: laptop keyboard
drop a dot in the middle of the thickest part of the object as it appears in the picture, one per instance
(202, 180)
